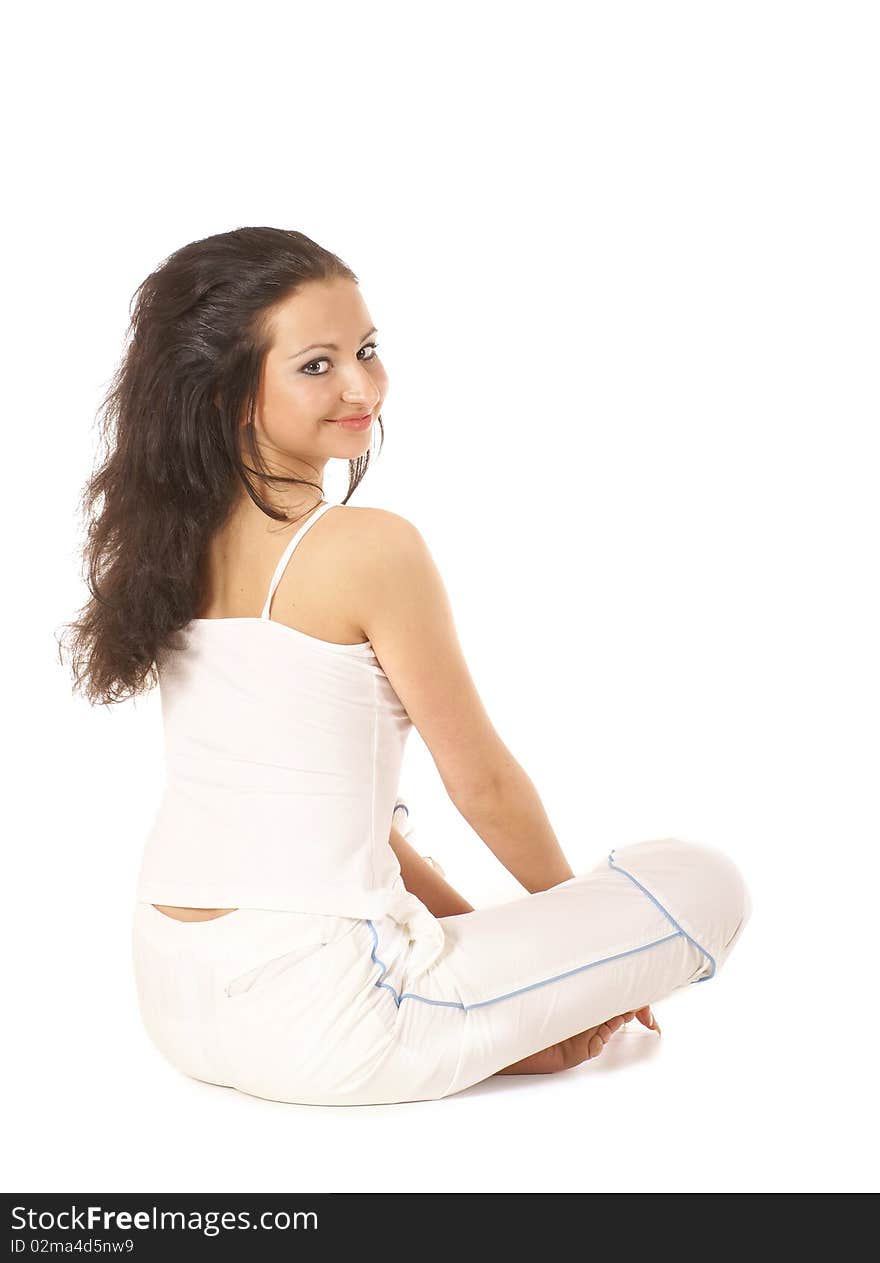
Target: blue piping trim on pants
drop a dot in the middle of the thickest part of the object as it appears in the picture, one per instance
(613, 864)
(455, 1004)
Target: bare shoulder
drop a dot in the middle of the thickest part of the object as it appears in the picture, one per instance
(376, 554)
(378, 541)
(366, 524)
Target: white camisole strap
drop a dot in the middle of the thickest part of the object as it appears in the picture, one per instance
(288, 552)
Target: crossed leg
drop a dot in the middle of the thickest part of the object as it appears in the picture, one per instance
(428, 884)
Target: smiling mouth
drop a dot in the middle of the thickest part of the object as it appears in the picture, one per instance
(352, 423)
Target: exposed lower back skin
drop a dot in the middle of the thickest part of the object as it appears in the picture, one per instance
(192, 914)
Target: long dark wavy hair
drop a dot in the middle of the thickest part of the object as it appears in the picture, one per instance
(171, 467)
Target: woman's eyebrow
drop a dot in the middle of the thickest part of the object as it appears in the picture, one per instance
(327, 346)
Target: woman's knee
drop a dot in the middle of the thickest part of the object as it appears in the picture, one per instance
(697, 885)
(716, 896)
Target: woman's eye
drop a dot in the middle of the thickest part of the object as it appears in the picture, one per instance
(368, 346)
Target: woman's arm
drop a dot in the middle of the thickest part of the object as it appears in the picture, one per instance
(425, 882)
(399, 601)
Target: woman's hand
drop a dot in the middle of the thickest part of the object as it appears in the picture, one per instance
(425, 880)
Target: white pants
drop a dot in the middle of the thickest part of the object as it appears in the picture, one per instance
(328, 1010)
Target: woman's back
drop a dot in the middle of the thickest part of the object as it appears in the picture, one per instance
(311, 593)
(283, 750)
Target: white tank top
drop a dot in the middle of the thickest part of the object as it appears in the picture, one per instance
(283, 755)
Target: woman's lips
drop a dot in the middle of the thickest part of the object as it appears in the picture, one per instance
(354, 423)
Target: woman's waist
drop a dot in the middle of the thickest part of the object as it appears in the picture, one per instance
(260, 915)
(224, 895)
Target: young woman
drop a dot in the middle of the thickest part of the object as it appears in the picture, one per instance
(288, 940)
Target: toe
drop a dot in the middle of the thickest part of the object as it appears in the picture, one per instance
(596, 1045)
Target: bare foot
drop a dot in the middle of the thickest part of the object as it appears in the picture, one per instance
(579, 1048)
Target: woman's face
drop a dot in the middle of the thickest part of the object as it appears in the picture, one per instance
(322, 366)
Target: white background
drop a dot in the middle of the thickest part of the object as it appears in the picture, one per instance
(624, 264)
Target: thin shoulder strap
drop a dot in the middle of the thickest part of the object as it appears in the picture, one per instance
(288, 553)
